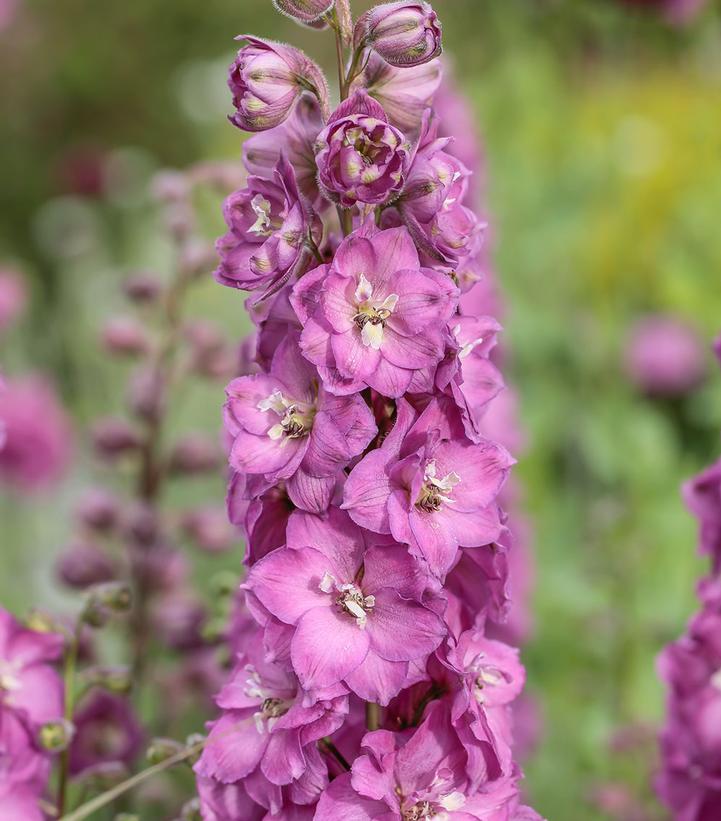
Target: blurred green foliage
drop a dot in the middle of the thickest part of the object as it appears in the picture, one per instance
(602, 131)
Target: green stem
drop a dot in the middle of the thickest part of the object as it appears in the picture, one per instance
(330, 747)
(373, 716)
(106, 798)
(71, 658)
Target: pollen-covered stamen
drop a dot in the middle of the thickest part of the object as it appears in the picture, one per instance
(263, 224)
(371, 316)
(274, 707)
(296, 418)
(423, 809)
(467, 347)
(435, 491)
(487, 676)
(352, 601)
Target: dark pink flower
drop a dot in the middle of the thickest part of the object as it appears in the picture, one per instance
(374, 317)
(272, 232)
(361, 157)
(348, 607)
(284, 426)
(431, 492)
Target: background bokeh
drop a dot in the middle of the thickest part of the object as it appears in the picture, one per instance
(602, 130)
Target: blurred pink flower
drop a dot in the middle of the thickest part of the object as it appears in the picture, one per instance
(35, 434)
(664, 356)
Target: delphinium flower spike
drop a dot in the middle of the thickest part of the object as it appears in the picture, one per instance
(367, 683)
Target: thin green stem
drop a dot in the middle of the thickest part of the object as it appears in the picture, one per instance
(102, 800)
(330, 747)
(373, 716)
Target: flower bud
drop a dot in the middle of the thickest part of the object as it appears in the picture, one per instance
(210, 529)
(267, 79)
(112, 679)
(101, 777)
(405, 33)
(304, 11)
(161, 749)
(146, 393)
(124, 336)
(84, 564)
(113, 437)
(105, 601)
(98, 510)
(142, 288)
(194, 454)
(55, 736)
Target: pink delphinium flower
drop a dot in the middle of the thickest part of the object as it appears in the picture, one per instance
(374, 316)
(287, 427)
(664, 356)
(35, 431)
(31, 695)
(272, 230)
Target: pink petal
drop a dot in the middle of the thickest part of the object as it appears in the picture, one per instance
(366, 492)
(327, 646)
(378, 680)
(341, 803)
(402, 630)
(234, 748)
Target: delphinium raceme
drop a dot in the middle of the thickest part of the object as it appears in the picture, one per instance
(72, 727)
(366, 685)
(689, 781)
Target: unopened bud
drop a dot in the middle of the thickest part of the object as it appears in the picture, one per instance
(169, 186)
(98, 510)
(304, 11)
(142, 288)
(147, 394)
(82, 565)
(102, 777)
(210, 529)
(124, 336)
(55, 736)
(194, 454)
(112, 679)
(114, 437)
(406, 33)
(161, 749)
(105, 601)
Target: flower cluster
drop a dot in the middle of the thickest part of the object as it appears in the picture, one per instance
(366, 682)
(689, 782)
(31, 715)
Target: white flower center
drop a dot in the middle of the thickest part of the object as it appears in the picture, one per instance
(262, 225)
(350, 599)
(436, 491)
(296, 418)
(371, 315)
(467, 347)
(271, 707)
(9, 681)
(486, 676)
(716, 679)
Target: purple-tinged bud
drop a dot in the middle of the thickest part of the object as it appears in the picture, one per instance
(142, 288)
(402, 33)
(161, 749)
(304, 11)
(210, 529)
(170, 186)
(197, 257)
(267, 79)
(98, 510)
(361, 157)
(179, 618)
(142, 525)
(124, 336)
(104, 776)
(194, 454)
(82, 565)
(146, 394)
(114, 437)
(105, 601)
(210, 354)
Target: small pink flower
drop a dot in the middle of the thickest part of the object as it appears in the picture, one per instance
(272, 230)
(374, 317)
(348, 607)
(284, 426)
